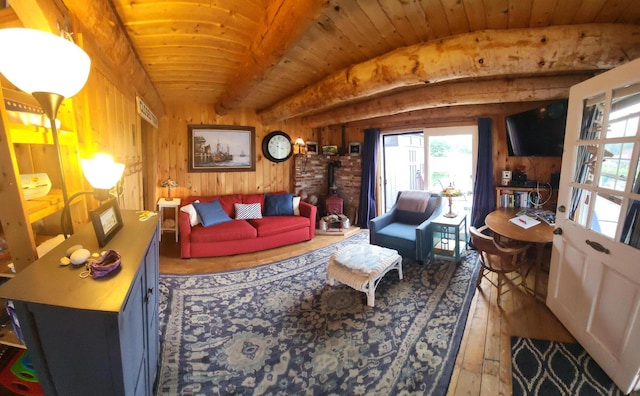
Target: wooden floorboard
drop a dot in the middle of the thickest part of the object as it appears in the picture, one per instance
(483, 364)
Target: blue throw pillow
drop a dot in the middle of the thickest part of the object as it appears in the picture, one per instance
(211, 213)
(278, 204)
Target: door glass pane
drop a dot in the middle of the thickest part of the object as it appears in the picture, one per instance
(592, 118)
(636, 178)
(615, 166)
(625, 110)
(631, 228)
(450, 163)
(586, 160)
(606, 214)
(580, 201)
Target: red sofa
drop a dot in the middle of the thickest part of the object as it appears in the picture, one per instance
(243, 236)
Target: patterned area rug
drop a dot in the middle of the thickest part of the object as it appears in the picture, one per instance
(280, 329)
(555, 368)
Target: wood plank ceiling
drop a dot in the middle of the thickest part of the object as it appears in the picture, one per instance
(288, 58)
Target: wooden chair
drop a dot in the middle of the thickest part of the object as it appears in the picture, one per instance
(499, 259)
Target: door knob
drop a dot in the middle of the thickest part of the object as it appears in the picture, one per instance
(561, 208)
(557, 231)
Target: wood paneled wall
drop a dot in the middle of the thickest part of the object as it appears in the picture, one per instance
(108, 123)
(173, 155)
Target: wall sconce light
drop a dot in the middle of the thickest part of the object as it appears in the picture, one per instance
(103, 174)
(169, 184)
(49, 67)
(300, 146)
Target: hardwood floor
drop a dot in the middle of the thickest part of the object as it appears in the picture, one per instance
(483, 365)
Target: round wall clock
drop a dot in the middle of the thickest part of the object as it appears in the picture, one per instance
(277, 147)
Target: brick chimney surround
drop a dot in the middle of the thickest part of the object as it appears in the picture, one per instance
(313, 177)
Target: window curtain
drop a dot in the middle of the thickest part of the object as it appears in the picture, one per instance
(484, 192)
(367, 207)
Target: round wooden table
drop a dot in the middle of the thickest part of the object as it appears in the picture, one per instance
(540, 234)
(498, 222)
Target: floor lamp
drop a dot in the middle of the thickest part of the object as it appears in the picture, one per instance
(50, 68)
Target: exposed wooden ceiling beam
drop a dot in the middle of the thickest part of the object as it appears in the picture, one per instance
(452, 94)
(285, 21)
(481, 54)
(440, 116)
(45, 15)
(101, 22)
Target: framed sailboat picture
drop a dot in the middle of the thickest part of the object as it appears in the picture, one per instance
(221, 148)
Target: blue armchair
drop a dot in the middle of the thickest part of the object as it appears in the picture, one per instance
(406, 227)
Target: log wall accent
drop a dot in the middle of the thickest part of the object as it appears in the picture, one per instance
(481, 54)
(453, 94)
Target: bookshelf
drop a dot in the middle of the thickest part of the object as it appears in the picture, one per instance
(525, 197)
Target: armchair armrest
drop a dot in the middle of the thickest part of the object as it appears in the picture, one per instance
(379, 223)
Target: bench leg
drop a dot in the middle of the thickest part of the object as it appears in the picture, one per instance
(399, 265)
(371, 294)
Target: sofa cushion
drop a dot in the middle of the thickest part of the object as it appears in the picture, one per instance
(278, 204)
(274, 225)
(296, 206)
(253, 198)
(230, 231)
(211, 213)
(248, 211)
(228, 203)
(191, 211)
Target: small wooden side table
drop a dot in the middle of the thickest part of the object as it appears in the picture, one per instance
(175, 205)
(449, 237)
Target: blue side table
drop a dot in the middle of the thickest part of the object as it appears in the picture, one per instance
(449, 237)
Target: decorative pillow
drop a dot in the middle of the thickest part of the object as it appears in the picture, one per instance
(296, 206)
(278, 204)
(211, 213)
(191, 211)
(248, 211)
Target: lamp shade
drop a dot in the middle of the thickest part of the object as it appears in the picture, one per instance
(37, 61)
(101, 172)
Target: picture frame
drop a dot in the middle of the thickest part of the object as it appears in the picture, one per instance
(221, 148)
(107, 221)
(329, 150)
(354, 148)
(312, 147)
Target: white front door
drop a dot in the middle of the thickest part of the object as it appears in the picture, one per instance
(594, 280)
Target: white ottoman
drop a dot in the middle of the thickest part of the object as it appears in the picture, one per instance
(362, 267)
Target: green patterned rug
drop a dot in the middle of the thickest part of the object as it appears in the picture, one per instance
(280, 329)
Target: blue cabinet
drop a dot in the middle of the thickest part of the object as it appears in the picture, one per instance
(93, 336)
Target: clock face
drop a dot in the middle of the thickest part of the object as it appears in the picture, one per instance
(276, 146)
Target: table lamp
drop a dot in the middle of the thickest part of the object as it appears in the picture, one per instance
(103, 174)
(169, 184)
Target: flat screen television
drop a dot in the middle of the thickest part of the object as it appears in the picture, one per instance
(537, 132)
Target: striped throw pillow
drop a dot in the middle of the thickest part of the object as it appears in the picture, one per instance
(248, 211)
